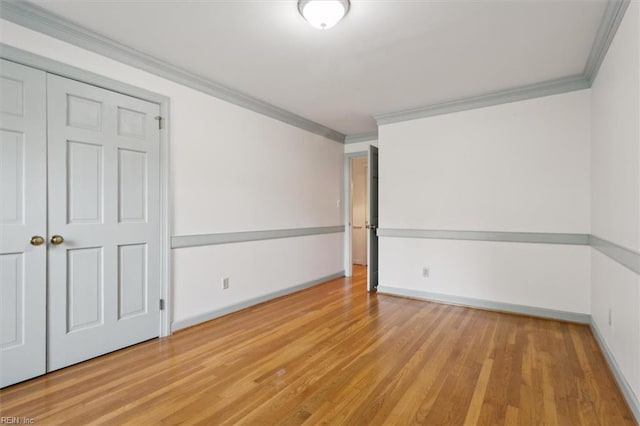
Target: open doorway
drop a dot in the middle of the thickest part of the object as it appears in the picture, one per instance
(348, 210)
(361, 214)
(359, 211)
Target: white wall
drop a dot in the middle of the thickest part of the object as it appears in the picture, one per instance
(231, 170)
(615, 197)
(544, 276)
(615, 139)
(519, 167)
(255, 268)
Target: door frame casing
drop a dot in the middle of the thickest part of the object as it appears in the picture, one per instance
(348, 234)
(51, 66)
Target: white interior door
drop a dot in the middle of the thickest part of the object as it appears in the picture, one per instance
(23, 215)
(104, 203)
(372, 243)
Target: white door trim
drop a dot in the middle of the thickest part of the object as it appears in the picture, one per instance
(58, 68)
(348, 231)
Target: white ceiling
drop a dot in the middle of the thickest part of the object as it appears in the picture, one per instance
(386, 56)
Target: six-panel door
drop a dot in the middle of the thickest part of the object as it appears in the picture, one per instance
(104, 201)
(85, 162)
(23, 215)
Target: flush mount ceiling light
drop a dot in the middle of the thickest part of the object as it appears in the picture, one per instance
(323, 14)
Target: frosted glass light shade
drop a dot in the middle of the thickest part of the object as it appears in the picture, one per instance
(323, 14)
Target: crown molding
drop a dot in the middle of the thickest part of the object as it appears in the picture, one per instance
(38, 19)
(546, 88)
(361, 137)
(43, 21)
(609, 25)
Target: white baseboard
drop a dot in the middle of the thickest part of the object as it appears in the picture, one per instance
(488, 304)
(627, 392)
(216, 313)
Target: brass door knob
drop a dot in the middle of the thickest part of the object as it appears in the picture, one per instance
(36, 240)
(57, 239)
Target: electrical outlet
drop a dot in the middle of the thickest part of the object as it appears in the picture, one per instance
(425, 272)
(225, 283)
(610, 315)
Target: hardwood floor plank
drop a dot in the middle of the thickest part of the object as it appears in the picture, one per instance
(335, 354)
(473, 412)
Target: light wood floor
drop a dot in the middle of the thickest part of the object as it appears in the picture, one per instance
(335, 354)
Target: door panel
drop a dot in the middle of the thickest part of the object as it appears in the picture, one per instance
(132, 181)
(84, 183)
(12, 89)
(372, 249)
(104, 199)
(12, 183)
(84, 113)
(132, 280)
(11, 300)
(84, 289)
(22, 215)
(131, 123)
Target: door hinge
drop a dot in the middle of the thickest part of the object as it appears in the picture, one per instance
(160, 121)
(162, 304)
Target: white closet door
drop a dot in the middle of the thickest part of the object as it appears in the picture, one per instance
(104, 201)
(23, 215)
